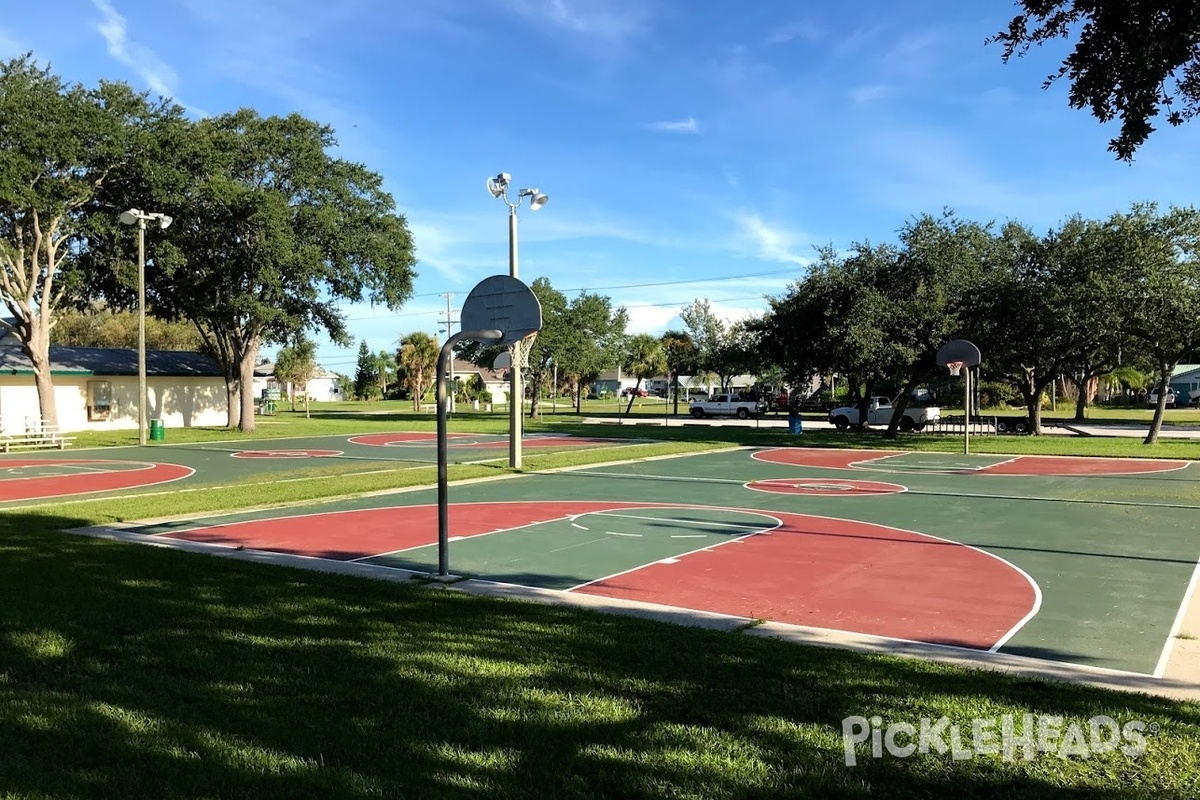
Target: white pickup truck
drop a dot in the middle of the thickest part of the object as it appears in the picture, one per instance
(726, 405)
(879, 412)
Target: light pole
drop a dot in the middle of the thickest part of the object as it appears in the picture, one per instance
(135, 217)
(498, 186)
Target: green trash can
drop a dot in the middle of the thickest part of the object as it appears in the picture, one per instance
(158, 431)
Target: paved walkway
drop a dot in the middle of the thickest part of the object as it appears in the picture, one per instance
(772, 421)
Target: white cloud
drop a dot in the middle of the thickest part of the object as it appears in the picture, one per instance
(159, 77)
(688, 125)
(805, 30)
(609, 20)
(9, 46)
(772, 243)
(867, 94)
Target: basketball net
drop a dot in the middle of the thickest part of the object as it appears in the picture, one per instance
(954, 367)
(520, 351)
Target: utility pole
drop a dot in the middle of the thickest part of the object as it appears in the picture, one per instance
(449, 323)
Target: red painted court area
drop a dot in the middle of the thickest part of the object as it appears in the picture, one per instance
(1067, 465)
(403, 437)
(349, 535)
(1031, 466)
(845, 575)
(471, 440)
(816, 571)
(89, 476)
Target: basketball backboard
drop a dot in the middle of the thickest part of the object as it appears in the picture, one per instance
(958, 350)
(502, 303)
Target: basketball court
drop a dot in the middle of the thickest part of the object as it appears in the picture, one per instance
(49, 476)
(1083, 562)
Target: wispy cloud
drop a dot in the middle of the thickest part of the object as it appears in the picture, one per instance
(9, 46)
(805, 30)
(862, 95)
(772, 243)
(688, 125)
(607, 24)
(158, 76)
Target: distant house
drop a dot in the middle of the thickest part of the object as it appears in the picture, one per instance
(96, 388)
(323, 385)
(1185, 380)
(496, 381)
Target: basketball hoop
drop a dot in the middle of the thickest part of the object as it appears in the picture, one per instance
(954, 367)
(521, 349)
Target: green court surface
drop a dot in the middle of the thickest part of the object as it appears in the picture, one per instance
(38, 475)
(575, 550)
(1057, 559)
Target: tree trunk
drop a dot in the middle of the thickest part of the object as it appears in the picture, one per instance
(632, 394)
(1164, 380)
(246, 379)
(864, 403)
(1031, 391)
(1082, 399)
(37, 348)
(901, 406)
(233, 406)
(292, 395)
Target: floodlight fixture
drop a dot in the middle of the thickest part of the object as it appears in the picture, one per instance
(134, 216)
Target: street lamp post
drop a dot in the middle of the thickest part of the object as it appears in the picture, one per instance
(135, 217)
(498, 186)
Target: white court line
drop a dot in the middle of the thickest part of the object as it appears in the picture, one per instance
(617, 533)
(451, 539)
(910, 490)
(694, 522)
(1161, 668)
(778, 523)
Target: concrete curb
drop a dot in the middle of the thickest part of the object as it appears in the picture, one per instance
(1178, 684)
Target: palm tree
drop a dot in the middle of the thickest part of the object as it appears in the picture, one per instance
(644, 358)
(418, 357)
(385, 366)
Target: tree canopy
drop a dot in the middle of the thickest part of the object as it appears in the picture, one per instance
(61, 146)
(271, 234)
(1130, 61)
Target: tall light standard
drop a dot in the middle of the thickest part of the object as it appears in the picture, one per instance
(135, 217)
(498, 186)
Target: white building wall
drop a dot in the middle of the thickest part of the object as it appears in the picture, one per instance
(324, 389)
(179, 402)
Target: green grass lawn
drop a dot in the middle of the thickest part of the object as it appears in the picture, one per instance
(138, 672)
(130, 671)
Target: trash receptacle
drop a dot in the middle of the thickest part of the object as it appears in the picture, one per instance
(158, 431)
(795, 426)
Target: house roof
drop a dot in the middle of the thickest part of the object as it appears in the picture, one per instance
(112, 362)
(462, 368)
(1183, 369)
(267, 370)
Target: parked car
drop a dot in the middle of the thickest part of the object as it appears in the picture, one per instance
(629, 390)
(729, 405)
(1153, 398)
(879, 412)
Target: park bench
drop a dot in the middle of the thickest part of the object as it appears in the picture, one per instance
(39, 436)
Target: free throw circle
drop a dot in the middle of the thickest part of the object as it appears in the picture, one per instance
(825, 486)
(286, 453)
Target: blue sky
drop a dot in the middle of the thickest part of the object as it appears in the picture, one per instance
(702, 145)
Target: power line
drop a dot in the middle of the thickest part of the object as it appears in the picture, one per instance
(685, 282)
